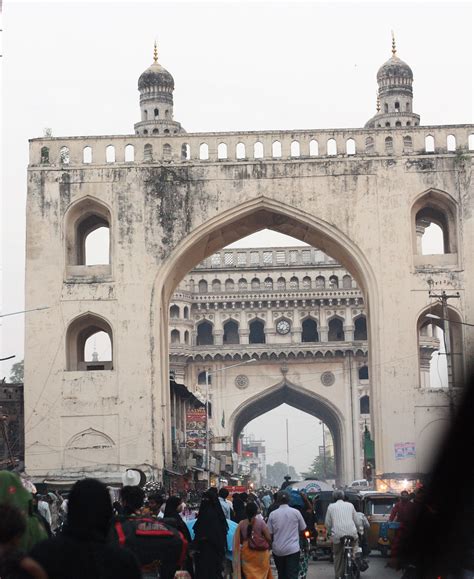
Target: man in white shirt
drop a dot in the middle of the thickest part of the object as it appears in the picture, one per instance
(341, 521)
(223, 494)
(285, 524)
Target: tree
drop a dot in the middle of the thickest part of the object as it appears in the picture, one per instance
(322, 468)
(276, 473)
(17, 373)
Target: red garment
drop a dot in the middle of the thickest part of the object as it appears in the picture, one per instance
(402, 512)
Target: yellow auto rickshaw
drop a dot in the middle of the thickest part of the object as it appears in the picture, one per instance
(377, 507)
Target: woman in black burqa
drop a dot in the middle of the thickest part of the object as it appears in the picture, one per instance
(210, 538)
(173, 508)
(83, 549)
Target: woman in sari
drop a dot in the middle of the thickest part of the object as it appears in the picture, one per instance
(249, 562)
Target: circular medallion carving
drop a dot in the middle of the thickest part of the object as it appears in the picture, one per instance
(241, 381)
(327, 378)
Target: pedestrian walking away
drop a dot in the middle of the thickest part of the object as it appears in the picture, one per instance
(285, 525)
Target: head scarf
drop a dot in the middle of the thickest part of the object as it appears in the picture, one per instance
(89, 510)
(171, 507)
(211, 524)
(13, 493)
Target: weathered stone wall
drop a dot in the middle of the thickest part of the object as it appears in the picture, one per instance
(167, 216)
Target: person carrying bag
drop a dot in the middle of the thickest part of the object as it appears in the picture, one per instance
(251, 549)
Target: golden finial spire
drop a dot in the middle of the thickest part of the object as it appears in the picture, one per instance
(155, 53)
(394, 47)
(378, 102)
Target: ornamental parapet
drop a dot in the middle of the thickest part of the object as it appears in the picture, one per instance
(247, 146)
(281, 298)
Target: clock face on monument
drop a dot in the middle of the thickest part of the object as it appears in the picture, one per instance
(283, 327)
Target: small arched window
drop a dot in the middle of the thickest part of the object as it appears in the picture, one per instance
(186, 313)
(110, 154)
(435, 218)
(350, 147)
(87, 155)
(148, 152)
(202, 378)
(203, 152)
(155, 132)
(309, 331)
(229, 285)
(216, 286)
(185, 152)
(347, 282)
(186, 337)
(88, 233)
(255, 283)
(397, 106)
(389, 145)
(44, 156)
(204, 334)
(331, 147)
(268, 283)
(202, 285)
(369, 145)
(365, 405)
(429, 144)
(407, 144)
(231, 332)
(240, 151)
(360, 328)
(276, 149)
(167, 114)
(145, 115)
(156, 112)
(222, 151)
(306, 282)
(174, 311)
(258, 150)
(363, 373)
(294, 283)
(167, 151)
(257, 332)
(451, 143)
(175, 337)
(129, 154)
(320, 282)
(281, 283)
(242, 284)
(336, 330)
(407, 107)
(313, 148)
(470, 142)
(64, 157)
(334, 282)
(295, 149)
(385, 107)
(89, 344)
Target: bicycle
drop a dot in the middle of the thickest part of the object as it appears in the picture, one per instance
(351, 569)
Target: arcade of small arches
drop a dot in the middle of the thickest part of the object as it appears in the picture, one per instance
(241, 151)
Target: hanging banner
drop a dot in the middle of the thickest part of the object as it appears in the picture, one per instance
(404, 450)
(196, 428)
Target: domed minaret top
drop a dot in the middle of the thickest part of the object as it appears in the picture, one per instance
(395, 94)
(156, 86)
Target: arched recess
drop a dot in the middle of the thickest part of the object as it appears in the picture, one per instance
(224, 227)
(231, 332)
(286, 392)
(82, 218)
(77, 334)
(90, 443)
(439, 208)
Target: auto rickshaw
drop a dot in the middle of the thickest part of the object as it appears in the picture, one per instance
(321, 503)
(377, 507)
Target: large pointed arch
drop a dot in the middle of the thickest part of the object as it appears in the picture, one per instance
(285, 392)
(223, 229)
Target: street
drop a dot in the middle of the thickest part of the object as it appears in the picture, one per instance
(376, 570)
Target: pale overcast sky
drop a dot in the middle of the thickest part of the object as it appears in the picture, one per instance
(73, 67)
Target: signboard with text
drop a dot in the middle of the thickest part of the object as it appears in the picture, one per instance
(196, 428)
(404, 450)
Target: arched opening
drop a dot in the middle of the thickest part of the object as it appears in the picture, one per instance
(306, 282)
(470, 142)
(186, 337)
(451, 143)
(434, 222)
(256, 332)
(255, 283)
(258, 150)
(231, 332)
(203, 152)
(350, 147)
(281, 283)
(129, 154)
(320, 282)
(336, 330)
(360, 328)
(229, 226)
(216, 285)
(156, 113)
(295, 149)
(175, 337)
(87, 155)
(389, 145)
(167, 152)
(309, 331)
(363, 373)
(293, 395)
(364, 405)
(294, 283)
(268, 283)
(185, 152)
(369, 145)
(222, 151)
(429, 144)
(240, 151)
(331, 147)
(334, 282)
(204, 335)
(110, 154)
(174, 311)
(202, 286)
(87, 231)
(385, 107)
(186, 313)
(276, 149)
(407, 144)
(201, 379)
(313, 148)
(347, 282)
(89, 344)
(229, 285)
(147, 152)
(243, 284)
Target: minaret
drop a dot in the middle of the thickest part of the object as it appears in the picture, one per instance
(156, 86)
(395, 95)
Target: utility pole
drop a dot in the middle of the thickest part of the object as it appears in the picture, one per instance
(287, 450)
(324, 451)
(443, 298)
